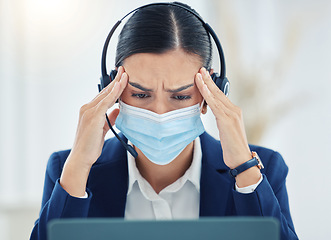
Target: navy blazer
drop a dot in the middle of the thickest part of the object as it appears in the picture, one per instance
(107, 187)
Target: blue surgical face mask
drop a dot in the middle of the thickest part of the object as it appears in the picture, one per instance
(161, 137)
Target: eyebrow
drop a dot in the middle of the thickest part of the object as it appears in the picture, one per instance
(137, 85)
(180, 89)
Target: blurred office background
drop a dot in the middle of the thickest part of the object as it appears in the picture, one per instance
(278, 56)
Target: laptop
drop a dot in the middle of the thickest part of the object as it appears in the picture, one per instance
(232, 228)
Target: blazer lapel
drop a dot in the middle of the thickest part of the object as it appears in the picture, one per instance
(108, 181)
(215, 183)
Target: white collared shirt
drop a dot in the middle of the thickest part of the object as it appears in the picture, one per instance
(179, 200)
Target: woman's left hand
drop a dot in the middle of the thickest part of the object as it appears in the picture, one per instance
(229, 121)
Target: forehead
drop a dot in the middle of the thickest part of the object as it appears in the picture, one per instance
(171, 69)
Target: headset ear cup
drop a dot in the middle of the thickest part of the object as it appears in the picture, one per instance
(225, 86)
(112, 75)
(105, 80)
(222, 83)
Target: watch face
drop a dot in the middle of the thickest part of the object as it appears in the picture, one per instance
(254, 154)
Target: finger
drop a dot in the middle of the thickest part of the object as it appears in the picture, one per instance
(202, 87)
(115, 93)
(214, 88)
(218, 107)
(204, 90)
(107, 89)
(102, 94)
(215, 105)
(120, 88)
(209, 81)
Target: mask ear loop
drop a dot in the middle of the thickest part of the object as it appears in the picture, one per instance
(201, 105)
(119, 103)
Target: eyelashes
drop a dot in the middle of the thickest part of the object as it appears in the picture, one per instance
(182, 97)
(142, 96)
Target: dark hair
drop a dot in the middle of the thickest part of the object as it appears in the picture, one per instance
(161, 28)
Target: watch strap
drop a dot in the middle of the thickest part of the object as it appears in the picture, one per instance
(243, 167)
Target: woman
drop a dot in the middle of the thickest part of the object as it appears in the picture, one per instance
(163, 84)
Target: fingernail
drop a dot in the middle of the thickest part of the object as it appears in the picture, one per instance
(120, 70)
(122, 77)
(205, 72)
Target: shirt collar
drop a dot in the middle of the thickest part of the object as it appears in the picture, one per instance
(192, 174)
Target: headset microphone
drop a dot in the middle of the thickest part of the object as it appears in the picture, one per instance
(128, 147)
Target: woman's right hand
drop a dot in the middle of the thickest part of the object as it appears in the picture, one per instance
(90, 134)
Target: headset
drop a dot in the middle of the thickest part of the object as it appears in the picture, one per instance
(220, 79)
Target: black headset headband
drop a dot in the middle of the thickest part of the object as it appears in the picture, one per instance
(205, 25)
